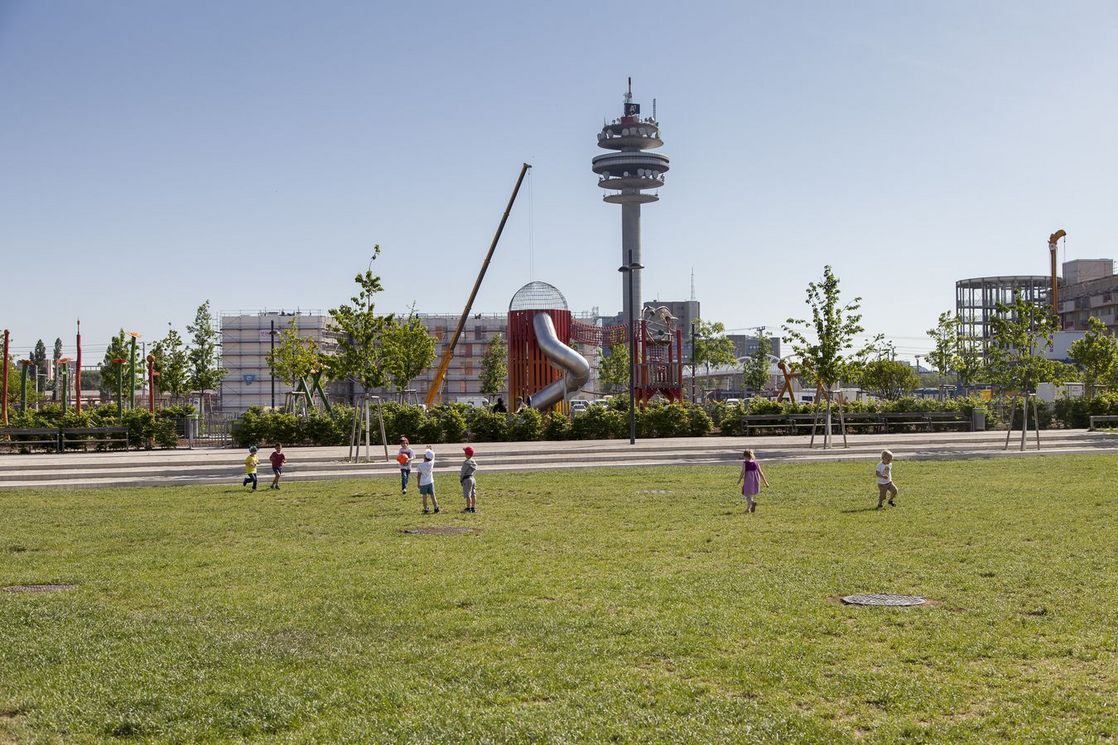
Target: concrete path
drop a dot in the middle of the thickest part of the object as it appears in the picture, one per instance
(75, 470)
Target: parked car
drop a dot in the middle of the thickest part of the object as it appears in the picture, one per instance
(579, 405)
(732, 402)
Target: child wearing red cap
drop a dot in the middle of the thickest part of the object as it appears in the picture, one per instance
(466, 476)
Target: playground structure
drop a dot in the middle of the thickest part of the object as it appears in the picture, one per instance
(543, 369)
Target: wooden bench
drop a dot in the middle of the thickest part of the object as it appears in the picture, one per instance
(865, 421)
(765, 421)
(904, 419)
(29, 437)
(949, 419)
(1101, 419)
(99, 436)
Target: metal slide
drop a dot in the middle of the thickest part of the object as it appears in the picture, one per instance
(576, 370)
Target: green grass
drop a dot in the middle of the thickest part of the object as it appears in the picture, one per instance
(585, 609)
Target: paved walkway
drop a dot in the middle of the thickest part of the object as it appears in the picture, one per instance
(315, 463)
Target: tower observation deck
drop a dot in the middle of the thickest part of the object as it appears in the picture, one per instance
(628, 174)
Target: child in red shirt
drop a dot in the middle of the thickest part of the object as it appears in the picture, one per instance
(277, 459)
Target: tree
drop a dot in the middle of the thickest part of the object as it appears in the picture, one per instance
(495, 367)
(711, 347)
(359, 353)
(969, 363)
(39, 358)
(889, 379)
(613, 369)
(755, 370)
(1096, 355)
(1020, 333)
(119, 347)
(204, 371)
(295, 357)
(172, 364)
(945, 337)
(825, 343)
(408, 350)
(56, 355)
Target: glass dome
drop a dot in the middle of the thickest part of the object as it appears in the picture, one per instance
(538, 296)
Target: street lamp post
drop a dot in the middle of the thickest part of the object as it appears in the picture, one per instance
(629, 270)
(119, 362)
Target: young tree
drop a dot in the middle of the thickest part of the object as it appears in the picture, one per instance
(1096, 355)
(613, 369)
(172, 364)
(39, 358)
(360, 330)
(1020, 332)
(711, 347)
(945, 337)
(56, 355)
(825, 343)
(408, 349)
(495, 367)
(295, 357)
(755, 370)
(969, 363)
(119, 347)
(889, 379)
(204, 371)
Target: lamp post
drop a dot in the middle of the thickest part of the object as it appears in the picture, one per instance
(119, 362)
(271, 368)
(151, 382)
(629, 270)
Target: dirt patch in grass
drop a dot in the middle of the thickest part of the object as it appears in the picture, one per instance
(440, 530)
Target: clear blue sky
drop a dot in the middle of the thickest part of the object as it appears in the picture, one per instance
(153, 155)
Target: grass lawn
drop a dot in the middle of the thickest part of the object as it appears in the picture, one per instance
(630, 606)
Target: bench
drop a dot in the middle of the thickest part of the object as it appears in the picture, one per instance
(949, 419)
(102, 437)
(27, 438)
(765, 421)
(1102, 419)
(904, 419)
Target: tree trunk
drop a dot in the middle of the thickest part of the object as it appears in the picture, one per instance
(827, 426)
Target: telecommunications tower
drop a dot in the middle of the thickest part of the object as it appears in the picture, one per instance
(628, 174)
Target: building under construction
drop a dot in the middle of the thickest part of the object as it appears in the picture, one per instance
(976, 300)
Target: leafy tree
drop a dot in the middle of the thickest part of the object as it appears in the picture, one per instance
(359, 354)
(1020, 332)
(711, 347)
(1096, 355)
(295, 357)
(56, 355)
(204, 371)
(172, 364)
(825, 343)
(945, 337)
(755, 370)
(969, 363)
(613, 369)
(119, 347)
(407, 349)
(889, 379)
(495, 367)
(39, 358)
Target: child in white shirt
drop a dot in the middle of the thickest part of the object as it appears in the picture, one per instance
(885, 486)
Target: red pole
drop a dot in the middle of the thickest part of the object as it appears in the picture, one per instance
(4, 385)
(78, 373)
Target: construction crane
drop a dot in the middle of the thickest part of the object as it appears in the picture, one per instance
(433, 391)
(1055, 292)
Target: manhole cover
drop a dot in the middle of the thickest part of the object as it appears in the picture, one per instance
(36, 588)
(438, 531)
(891, 600)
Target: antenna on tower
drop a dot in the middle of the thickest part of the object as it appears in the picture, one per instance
(654, 109)
(692, 284)
(629, 92)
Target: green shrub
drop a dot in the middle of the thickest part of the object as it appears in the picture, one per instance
(445, 423)
(699, 422)
(488, 426)
(526, 425)
(599, 423)
(556, 427)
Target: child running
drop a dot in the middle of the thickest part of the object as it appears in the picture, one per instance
(469, 483)
(277, 459)
(751, 478)
(427, 480)
(885, 486)
(404, 458)
(251, 462)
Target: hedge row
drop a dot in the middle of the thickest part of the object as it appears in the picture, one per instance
(460, 423)
(145, 430)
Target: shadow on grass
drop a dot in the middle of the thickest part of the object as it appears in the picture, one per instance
(860, 509)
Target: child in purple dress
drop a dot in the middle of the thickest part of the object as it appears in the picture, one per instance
(751, 478)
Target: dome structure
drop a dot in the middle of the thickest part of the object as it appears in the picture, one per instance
(538, 296)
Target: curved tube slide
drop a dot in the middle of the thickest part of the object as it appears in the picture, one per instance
(576, 370)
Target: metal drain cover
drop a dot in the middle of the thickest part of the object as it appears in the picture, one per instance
(36, 588)
(888, 600)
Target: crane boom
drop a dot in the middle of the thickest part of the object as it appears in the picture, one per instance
(444, 364)
(1054, 292)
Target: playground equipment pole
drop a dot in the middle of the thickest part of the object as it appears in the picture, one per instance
(151, 383)
(78, 372)
(433, 391)
(64, 373)
(23, 364)
(132, 370)
(119, 362)
(4, 384)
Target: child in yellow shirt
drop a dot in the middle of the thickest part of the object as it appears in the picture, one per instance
(251, 462)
